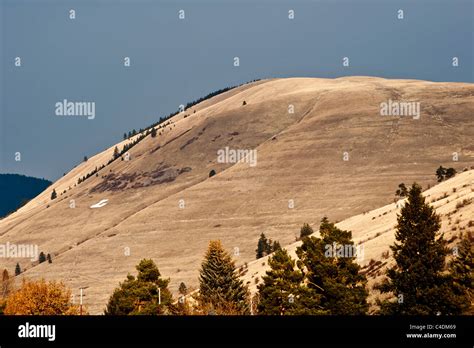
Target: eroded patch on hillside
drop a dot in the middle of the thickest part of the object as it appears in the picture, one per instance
(123, 181)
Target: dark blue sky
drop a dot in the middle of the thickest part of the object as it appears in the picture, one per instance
(175, 61)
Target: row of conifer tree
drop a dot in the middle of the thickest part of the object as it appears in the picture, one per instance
(426, 279)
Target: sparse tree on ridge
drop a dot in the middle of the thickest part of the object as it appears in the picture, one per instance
(276, 246)
(305, 231)
(440, 173)
(266, 246)
(54, 194)
(116, 152)
(450, 172)
(17, 269)
(42, 257)
(262, 246)
(402, 191)
(183, 290)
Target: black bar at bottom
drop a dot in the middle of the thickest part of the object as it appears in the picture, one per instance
(243, 331)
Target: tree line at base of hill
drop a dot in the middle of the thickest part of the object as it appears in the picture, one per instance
(324, 279)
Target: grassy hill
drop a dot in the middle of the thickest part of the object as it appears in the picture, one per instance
(162, 204)
(374, 231)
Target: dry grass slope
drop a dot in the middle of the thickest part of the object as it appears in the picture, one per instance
(300, 158)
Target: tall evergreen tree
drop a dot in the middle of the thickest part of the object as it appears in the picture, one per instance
(153, 132)
(417, 280)
(53, 194)
(462, 273)
(332, 275)
(48, 257)
(282, 291)
(147, 294)
(220, 288)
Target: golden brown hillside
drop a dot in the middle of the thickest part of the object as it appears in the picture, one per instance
(335, 155)
(374, 231)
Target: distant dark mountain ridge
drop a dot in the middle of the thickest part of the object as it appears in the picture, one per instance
(16, 190)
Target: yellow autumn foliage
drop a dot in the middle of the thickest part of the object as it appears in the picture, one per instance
(41, 298)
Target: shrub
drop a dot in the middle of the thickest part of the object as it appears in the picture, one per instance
(41, 298)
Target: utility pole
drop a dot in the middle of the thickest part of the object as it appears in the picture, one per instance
(80, 302)
(80, 299)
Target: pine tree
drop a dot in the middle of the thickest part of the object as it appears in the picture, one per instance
(462, 275)
(220, 288)
(269, 247)
(328, 264)
(153, 132)
(440, 173)
(305, 231)
(276, 246)
(42, 257)
(17, 269)
(48, 257)
(124, 136)
(262, 246)
(417, 280)
(402, 191)
(116, 152)
(450, 172)
(147, 294)
(183, 290)
(53, 194)
(212, 173)
(281, 291)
